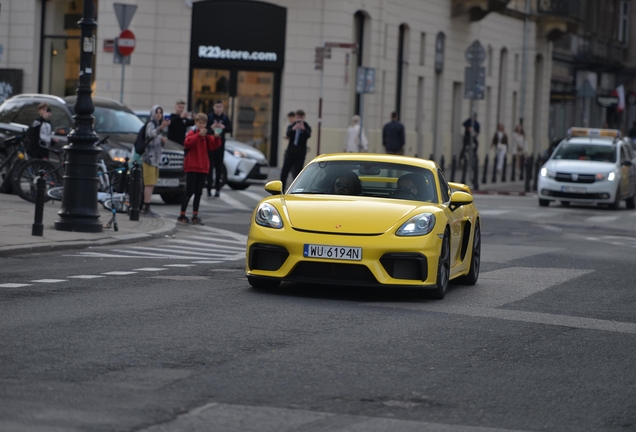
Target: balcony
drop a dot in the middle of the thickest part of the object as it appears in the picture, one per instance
(477, 9)
(595, 50)
(557, 17)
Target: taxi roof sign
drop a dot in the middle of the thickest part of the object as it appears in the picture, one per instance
(593, 133)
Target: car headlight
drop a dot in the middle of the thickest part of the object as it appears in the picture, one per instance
(548, 173)
(239, 154)
(119, 155)
(268, 216)
(418, 225)
(611, 176)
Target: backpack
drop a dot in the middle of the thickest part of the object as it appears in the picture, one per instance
(141, 142)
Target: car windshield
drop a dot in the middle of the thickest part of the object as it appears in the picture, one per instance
(110, 120)
(363, 178)
(588, 152)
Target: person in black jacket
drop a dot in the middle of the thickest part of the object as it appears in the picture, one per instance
(393, 137)
(298, 134)
(219, 122)
(180, 121)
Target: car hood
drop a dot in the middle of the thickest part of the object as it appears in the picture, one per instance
(579, 167)
(347, 215)
(232, 145)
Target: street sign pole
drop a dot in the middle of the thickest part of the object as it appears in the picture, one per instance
(124, 14)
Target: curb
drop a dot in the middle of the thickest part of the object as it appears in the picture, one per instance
(511, 193)
(169, 228)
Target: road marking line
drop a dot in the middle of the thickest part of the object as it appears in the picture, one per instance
(149, 269)
(119, 273)
(14, 285)
(179, 248)
(207, 262)
(252, 195)
(231, 234)
(233, 202)
(50, 280)
(85, 276)
(179, 265)
(157, 255)
(193, 243)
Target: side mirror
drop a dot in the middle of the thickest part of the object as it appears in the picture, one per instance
(274, 187)
(459, 198)
(61, 131)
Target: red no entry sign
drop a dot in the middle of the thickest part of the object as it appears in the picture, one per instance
(126, 42)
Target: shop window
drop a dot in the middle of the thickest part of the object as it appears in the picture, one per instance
(623, 22)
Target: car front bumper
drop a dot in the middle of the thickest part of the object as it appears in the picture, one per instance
(247, 170)
(387, 260)
(600, 192)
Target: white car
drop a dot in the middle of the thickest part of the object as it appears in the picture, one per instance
(243, 165)
(591, 166)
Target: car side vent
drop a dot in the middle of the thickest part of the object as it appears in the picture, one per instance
(411, 266)
(267, 257)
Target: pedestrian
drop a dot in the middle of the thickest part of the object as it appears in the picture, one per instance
(474, 125)
(500, 144)
(393, 136)
(219, 122)
(291, 119)
(298, 134)
(180, 121)
(356, 140)
(40, 134)
(471, 129)
(152, 155)
(519, 145)
(196, 165)
(632, 131)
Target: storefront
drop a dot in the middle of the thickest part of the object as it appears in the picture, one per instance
(237, 54)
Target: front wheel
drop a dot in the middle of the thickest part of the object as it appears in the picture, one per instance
(544, 202)
(55, 193)
(630, 203)
(238, 186)
(443, 271)
(25, 177)
(173, 198)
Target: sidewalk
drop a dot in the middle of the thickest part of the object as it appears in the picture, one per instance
(17, 216)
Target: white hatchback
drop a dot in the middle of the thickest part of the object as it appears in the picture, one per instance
(591, 166)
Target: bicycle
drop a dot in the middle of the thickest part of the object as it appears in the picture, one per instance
(25, 176)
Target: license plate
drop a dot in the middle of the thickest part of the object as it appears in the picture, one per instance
(572, 189)
(168, 182)
(263, 170)
(333, 252)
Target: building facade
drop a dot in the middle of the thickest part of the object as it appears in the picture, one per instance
(259, 57)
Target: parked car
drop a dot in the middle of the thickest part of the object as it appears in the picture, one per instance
(112, 119)
(243, 165)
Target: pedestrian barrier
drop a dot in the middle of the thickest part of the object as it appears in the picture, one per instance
(453, 168)
(528, 166)
(513, 175)
(503, 171)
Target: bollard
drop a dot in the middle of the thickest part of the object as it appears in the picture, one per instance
(483, 178)
(537, 168)
(453, 168)
(40, 189)
(513, 175)
(135, 193)
(522, 166)
(528, 167)
(503, 171)
(475, 178)
(464, 169)
(494, 168)
(441, 163)
(432, 157)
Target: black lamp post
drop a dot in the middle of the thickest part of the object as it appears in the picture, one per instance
(79, 201)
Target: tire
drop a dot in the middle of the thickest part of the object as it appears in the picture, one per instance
(24, 180)
(55, 193)
(617, 202)
(475, 260)
(238, 186)
(630, 202)
(263, 284)
(544, 202)
(565, 203)
(443, 271)
(173, 198)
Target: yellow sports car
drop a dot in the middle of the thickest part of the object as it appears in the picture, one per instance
(366, 219)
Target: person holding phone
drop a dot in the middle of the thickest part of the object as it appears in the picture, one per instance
(152, 156)
(298, 134)
(220, 123)
(180, 121)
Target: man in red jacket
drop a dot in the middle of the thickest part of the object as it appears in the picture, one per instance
(196, 165)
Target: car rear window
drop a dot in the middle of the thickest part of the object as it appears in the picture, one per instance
(589, 152)
(377, 179)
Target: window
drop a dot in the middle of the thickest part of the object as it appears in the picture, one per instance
(9, 110)
(422, 48)
(489, 61)
(401, 60)
(516, 71)
(623, 22)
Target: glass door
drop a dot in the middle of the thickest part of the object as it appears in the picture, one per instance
(253, 109)
(209, 85)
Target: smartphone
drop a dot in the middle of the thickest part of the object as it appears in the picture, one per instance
(166, 116)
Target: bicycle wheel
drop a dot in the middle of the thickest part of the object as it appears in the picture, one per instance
(55, 193)
(24, 180)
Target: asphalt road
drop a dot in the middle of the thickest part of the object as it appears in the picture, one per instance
(176, 340)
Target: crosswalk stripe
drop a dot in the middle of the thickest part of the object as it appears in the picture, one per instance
(158, 255)
(238, 237)
(190, 242)
(252, 195)
(119, 273)
(204, 248)
(179, 265)
(50, 280)
(14, 285)
(182, 250)
(217, 239)
(233, 202)
(150, 269)
(85, 277)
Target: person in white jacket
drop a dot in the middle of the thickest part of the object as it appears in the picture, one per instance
(356, 142)
(519, 145)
